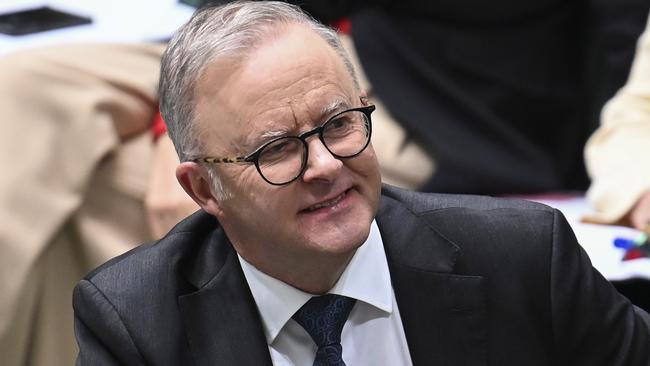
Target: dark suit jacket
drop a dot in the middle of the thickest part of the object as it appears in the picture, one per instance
(478, 281)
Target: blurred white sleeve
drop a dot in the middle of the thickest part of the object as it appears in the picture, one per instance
(618, 153)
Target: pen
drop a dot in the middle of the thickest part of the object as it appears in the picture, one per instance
(625, 243)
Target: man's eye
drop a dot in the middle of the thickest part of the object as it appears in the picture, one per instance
(339, 123)
(342, 126)
(279, 150)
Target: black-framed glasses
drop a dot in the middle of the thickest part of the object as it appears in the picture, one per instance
(284, 159)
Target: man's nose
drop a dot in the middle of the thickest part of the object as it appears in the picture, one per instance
(321, 164)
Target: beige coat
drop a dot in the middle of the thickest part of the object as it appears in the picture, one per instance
(75, 162)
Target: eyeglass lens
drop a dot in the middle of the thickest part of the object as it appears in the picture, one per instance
(345, 135)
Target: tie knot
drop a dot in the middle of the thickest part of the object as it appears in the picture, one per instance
(323, 318)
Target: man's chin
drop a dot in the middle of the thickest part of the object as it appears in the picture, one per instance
(342, 240)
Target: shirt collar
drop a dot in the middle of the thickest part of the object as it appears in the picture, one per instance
(366, 278)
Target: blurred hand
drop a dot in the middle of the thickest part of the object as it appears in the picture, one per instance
(639, 215)
(166, 201)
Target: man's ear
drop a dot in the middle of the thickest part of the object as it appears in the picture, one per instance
(363, 95)
(196, 182)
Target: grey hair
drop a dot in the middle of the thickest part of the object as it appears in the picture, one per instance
(230, 31)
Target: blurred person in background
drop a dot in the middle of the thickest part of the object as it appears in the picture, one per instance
(79, 154)
(618, 153)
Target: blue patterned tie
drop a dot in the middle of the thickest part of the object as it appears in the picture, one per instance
(323, 318)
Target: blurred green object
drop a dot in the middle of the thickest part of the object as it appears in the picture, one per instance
(194, 3)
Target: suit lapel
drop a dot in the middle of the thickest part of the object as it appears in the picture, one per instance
(221, 319)
(443, 314)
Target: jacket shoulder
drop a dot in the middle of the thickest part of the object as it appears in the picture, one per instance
(167, 256)
(485, 229)
(420, 203)
(125, 302)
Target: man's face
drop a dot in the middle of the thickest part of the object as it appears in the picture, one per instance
(289, 85)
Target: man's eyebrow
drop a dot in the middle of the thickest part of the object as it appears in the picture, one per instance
(271, 134)
(253, 141)
(334, 107)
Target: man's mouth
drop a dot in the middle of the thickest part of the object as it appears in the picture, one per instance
(327, 203)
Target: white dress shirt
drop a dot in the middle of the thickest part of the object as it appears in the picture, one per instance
(373, 334)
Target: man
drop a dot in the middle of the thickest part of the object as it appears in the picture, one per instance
(273, 134)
